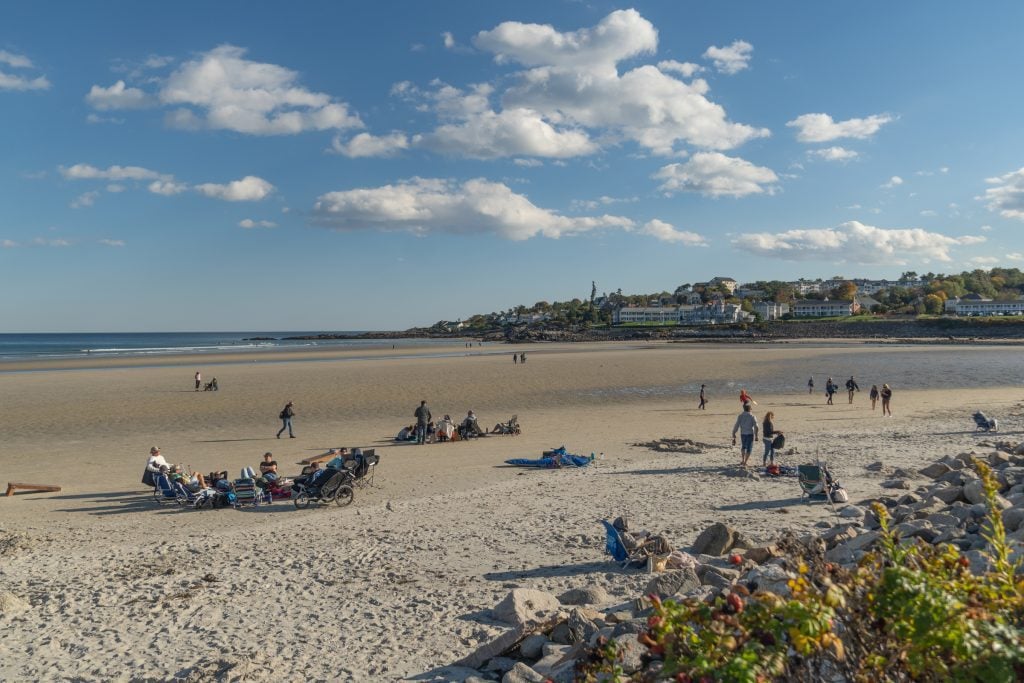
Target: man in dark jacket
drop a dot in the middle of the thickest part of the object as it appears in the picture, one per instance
(422, 415)
(851, 386)
(287, 413)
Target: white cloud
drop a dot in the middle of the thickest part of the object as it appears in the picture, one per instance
(1006, 194)
(732, 58)
(603, 200)
(248, 189)
(167, 188)
(249, 223)
(840, 154)
(85, 199)
(114, 188)
(1015, 256)
(717, 175)
(855, 242)
(854, 207)
(15, 61)
(449, 39)
(929, 213)
(51, 242)
(528, 163)
(234, 93)
(118, 96)
(821, 127)
(512, 132)
(96, 118)
(895, 181)
(984, 260)
(666, 233)
(366, 145)
(684, 69)
(112, 243)
(89, 172)
(572, 80)
(9, 81)
(426, 205)
(985, 228)
(9, 244)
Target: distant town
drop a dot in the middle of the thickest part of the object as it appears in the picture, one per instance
(724, 300)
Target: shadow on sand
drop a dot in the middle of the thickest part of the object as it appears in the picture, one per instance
(603, 566)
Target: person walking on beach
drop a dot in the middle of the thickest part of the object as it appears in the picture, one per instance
(746, 425)
(423, 417)
(768, 434)
(515, 358)
(286, 415)
(810, 385)
(830, 390)
(886, 396)
(851, 386)
(522, 358)
(873, 395)
(703, 398)
(746, 398)
(199, 380)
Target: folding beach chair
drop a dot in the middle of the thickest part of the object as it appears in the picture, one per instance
(164, 491)
(815, 481)
(615, 546)
(248, 493)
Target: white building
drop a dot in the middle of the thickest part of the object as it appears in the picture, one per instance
(770, 310)
(715, 313)
(820, 308)
(979, 306)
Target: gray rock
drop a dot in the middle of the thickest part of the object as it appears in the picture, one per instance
(635, 626)
(11, 604)
(631, 652)
(863, 541)
(954, 477)
(1013, 518)
(908, 499)
(717, 539)
(919, 528)
(948, 494)
(771, 578)
(839, 534)
(840, 554)
(589, 595)
(935, 470)
(998, 459)
(500, 664)
(523, 605)
(895, 484)
(581, 627)
(741, 542)
(715, 580)
(852, 512)
(562, 634)
(980, 563)
(943, 519)
(503, 643)
(762, 554)
(521, 673)
(974, 491)
(876, 466)
(531, 647)
(1011, 476)
(675, 581)
(900, 473)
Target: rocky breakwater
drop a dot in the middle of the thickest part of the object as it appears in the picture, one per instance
(808, 597)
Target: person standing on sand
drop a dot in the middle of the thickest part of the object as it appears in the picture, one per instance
(199, 380)
(746, 425)
(286, 415)
(768, 434)
(873, 395)
(703, 398)
(810, 385)
(522, 358)
(423, 417)
(830, 390)
(515, 358)
(886, 395)
(851, 386)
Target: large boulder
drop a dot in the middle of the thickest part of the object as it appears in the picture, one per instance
(589, 595)
(521, 673)
(717, 539)
(935, 470)
(524, 605)
(771, 578)
(532, 646)
(1013, 518)
(948, 494)
(673, 582)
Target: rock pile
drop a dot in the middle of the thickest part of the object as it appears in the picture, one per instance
(549, 634)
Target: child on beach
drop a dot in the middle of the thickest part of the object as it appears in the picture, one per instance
(886, 395)
(768, 434)
(873, 395)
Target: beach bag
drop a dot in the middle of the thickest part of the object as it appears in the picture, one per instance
(778, 442)
(283, 414)
(839, 495)
(148, 478)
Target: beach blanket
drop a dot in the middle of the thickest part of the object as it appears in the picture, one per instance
(553, 461)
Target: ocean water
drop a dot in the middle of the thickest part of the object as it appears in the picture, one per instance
(143, 344)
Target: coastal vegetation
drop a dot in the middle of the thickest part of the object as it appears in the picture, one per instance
(908, 611)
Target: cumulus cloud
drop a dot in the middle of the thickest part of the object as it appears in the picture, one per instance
(11, 81)
(512, 132)
(1006, 194)
(89, 172)
(167, 188)
(221, 89)
(84, 199)
(732, 58)
(112, 243)
(822, 128)
(840, 154)
(684, 69)
(118, 96)
(528, 163)
(895, 181)
(248, 189)
(430, 205)
(448, 39)
(984, 260)
(571, 83)
(367, 145)
(249, 223)
(716, 175)
(854, 242)
(667, 233)
(8, 244)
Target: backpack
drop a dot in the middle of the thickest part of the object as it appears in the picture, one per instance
(778, 442)
(284, 414)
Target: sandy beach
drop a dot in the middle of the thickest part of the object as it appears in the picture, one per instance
(400, 583)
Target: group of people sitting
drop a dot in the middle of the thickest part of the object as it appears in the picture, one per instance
(268, 477)
(446, 429)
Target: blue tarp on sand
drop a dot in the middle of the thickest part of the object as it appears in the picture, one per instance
(552, 459)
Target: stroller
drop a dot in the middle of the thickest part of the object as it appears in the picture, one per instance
(985, 423)
(331, 484)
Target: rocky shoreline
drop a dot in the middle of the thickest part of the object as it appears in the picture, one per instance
(550, 636)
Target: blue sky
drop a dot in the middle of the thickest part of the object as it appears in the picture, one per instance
(323, 165)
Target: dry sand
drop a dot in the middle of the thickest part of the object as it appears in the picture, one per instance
(399, 583)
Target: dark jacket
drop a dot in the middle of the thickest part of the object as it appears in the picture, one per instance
(422, 415)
